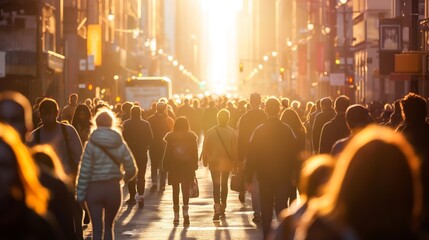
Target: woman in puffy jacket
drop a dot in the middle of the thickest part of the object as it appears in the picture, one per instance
(180, 161)
(99, 176)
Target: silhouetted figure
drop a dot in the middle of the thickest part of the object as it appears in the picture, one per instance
(273, 156)
(61, 198)
(160, 124)
(336, 128)
(374, 191)
(396, 116)
(291, 118)
(23, 200)
(180, 161)
(209, 116)
(416, 130)
(68, 111)
(314, 175)
(357, 118)
(82, 122)
(327, 113)
(138, 135)
(246, 125)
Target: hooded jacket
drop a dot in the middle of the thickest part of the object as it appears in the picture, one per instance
(96, 165)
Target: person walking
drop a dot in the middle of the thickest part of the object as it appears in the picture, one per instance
(68, 111)
(160, 124)
(180, 161)
(98, 181)
(246, 125)
(273, 156)
(220, 155)
(138, 135)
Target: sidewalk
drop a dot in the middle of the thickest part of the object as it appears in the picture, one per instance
(155, 219)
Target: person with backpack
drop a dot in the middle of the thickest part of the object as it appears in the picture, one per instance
(220, 155)
(180, 161)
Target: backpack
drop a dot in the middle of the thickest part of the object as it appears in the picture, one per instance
(72, 164)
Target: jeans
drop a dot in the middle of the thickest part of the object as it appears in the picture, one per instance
(220, 186)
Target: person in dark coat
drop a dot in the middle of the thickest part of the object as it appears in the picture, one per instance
(138, 135)
(357, 118)
(291, 118)
(246, 125)
(180, 161)
(416, 130)
(321, 119)
(273, 156)
(160, 124)
(335, 129)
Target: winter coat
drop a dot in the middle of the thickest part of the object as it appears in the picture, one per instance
(273, 154)
(160, 124)
(96, 165)
(333, 131)
(214, 155)
(180, 156)
(138, 135)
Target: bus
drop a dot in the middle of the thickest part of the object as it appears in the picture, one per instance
(146, 90)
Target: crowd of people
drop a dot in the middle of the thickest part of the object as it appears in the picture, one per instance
(362, 171)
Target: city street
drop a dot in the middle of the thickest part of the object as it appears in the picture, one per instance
(155, 219)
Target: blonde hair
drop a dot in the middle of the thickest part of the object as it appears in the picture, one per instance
(358, 155)
(105, 118)
(57, 167)
(36, 196)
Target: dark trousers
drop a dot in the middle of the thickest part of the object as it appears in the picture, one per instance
(220, 186)
(104, 197)
(271, 196)
(155, 166)
(185, 193)
(140, 180)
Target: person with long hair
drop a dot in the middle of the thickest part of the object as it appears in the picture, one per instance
(23, 200)
(82, 122)
(374, 192)
(53, 177)
(99, 176)
(180, 161)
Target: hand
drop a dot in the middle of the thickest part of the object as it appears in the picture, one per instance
(249, 187)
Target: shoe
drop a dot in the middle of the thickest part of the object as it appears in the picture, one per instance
(256, 218)
(154, 187)
(216, 217)
(131, 201)
(217, 214)
(241, 196)
(141, 201)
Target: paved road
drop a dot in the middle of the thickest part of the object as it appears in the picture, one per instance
(155, 219)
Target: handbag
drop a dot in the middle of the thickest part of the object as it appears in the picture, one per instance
(237, 181)
(194, 191)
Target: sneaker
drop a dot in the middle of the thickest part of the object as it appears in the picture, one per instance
(256, 218)
(241, 196)
(131, 201)
(141, 201)
(154, 187)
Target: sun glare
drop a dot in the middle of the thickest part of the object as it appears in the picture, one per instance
(220, 30)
